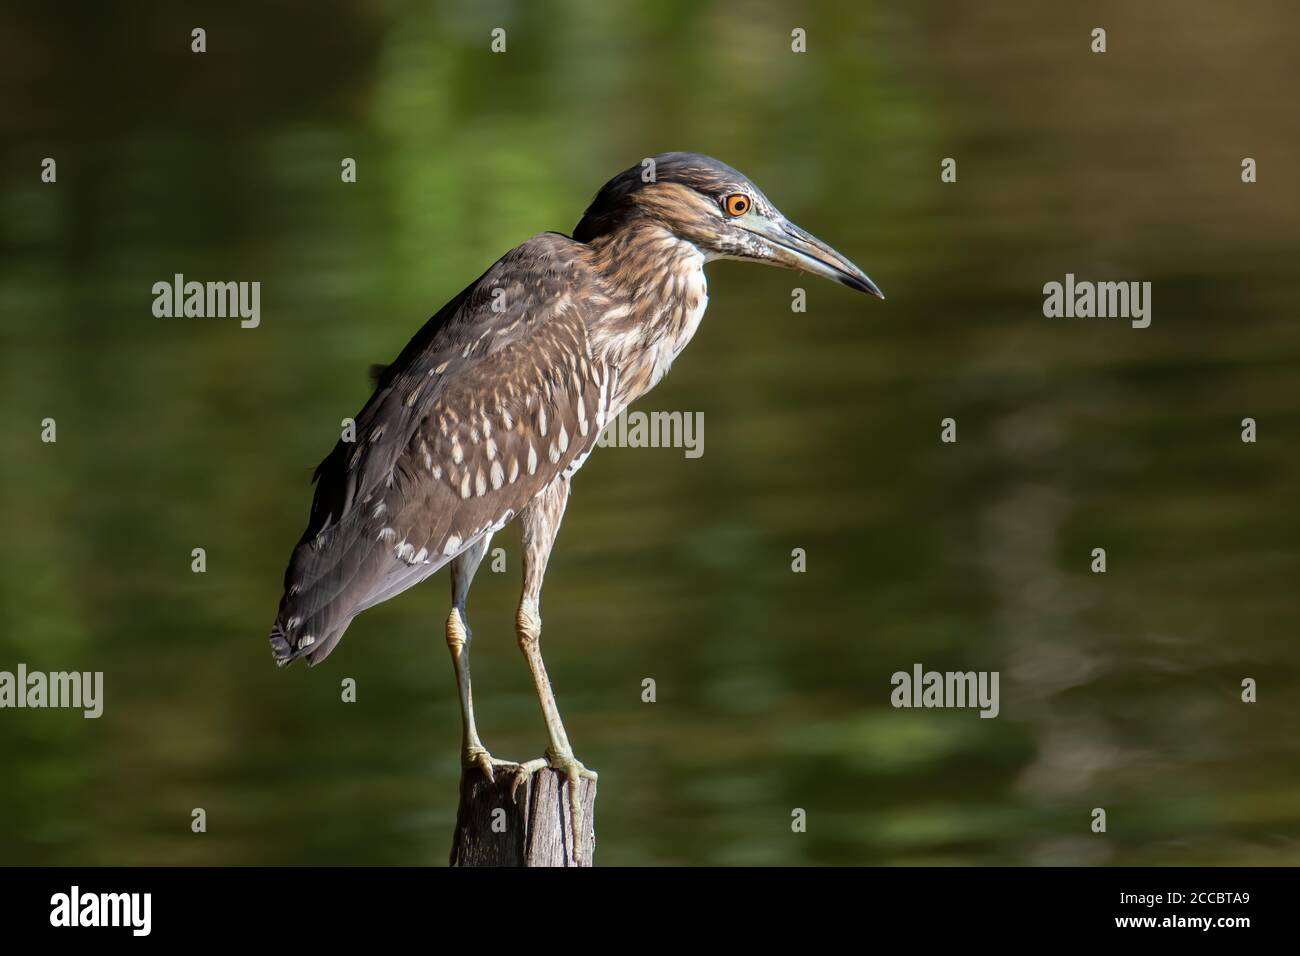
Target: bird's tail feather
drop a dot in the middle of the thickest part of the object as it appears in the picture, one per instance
(285, 653)
(324, 591)
(323, 584)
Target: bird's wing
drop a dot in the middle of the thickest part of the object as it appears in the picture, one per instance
(493, 400)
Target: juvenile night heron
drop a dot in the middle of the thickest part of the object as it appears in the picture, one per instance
(487, 413)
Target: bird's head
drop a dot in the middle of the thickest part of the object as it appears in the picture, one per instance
(718, 210)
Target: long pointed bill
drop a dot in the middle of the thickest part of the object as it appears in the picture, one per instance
(794, 248)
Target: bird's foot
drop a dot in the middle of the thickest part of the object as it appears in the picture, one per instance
(574, 773)
(477, 756)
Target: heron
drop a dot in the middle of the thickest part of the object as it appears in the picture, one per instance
(489, 411)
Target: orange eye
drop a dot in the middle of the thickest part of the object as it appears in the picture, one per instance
(737, 204)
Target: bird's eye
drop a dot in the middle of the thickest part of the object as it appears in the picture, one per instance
(737, 204)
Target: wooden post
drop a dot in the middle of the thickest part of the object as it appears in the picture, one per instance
(533, 828)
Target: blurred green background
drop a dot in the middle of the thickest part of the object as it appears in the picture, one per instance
(822, 429)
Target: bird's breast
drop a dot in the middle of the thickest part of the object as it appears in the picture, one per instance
(662, 322)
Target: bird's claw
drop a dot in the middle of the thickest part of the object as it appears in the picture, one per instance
(477, 757)
(569, 765)
(524, 773)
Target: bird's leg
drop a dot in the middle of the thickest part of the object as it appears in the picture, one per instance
(540, 522)
(559, 755)
(463, 566)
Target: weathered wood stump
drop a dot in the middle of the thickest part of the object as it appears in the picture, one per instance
(533, 827)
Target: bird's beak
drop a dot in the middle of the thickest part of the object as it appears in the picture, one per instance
(794, 248)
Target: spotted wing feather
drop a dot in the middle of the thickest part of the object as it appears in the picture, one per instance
(496, 397)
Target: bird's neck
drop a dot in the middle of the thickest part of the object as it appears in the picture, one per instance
(658, 294)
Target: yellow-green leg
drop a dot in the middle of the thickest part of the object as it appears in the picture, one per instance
(459, 636)
(540, 522)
